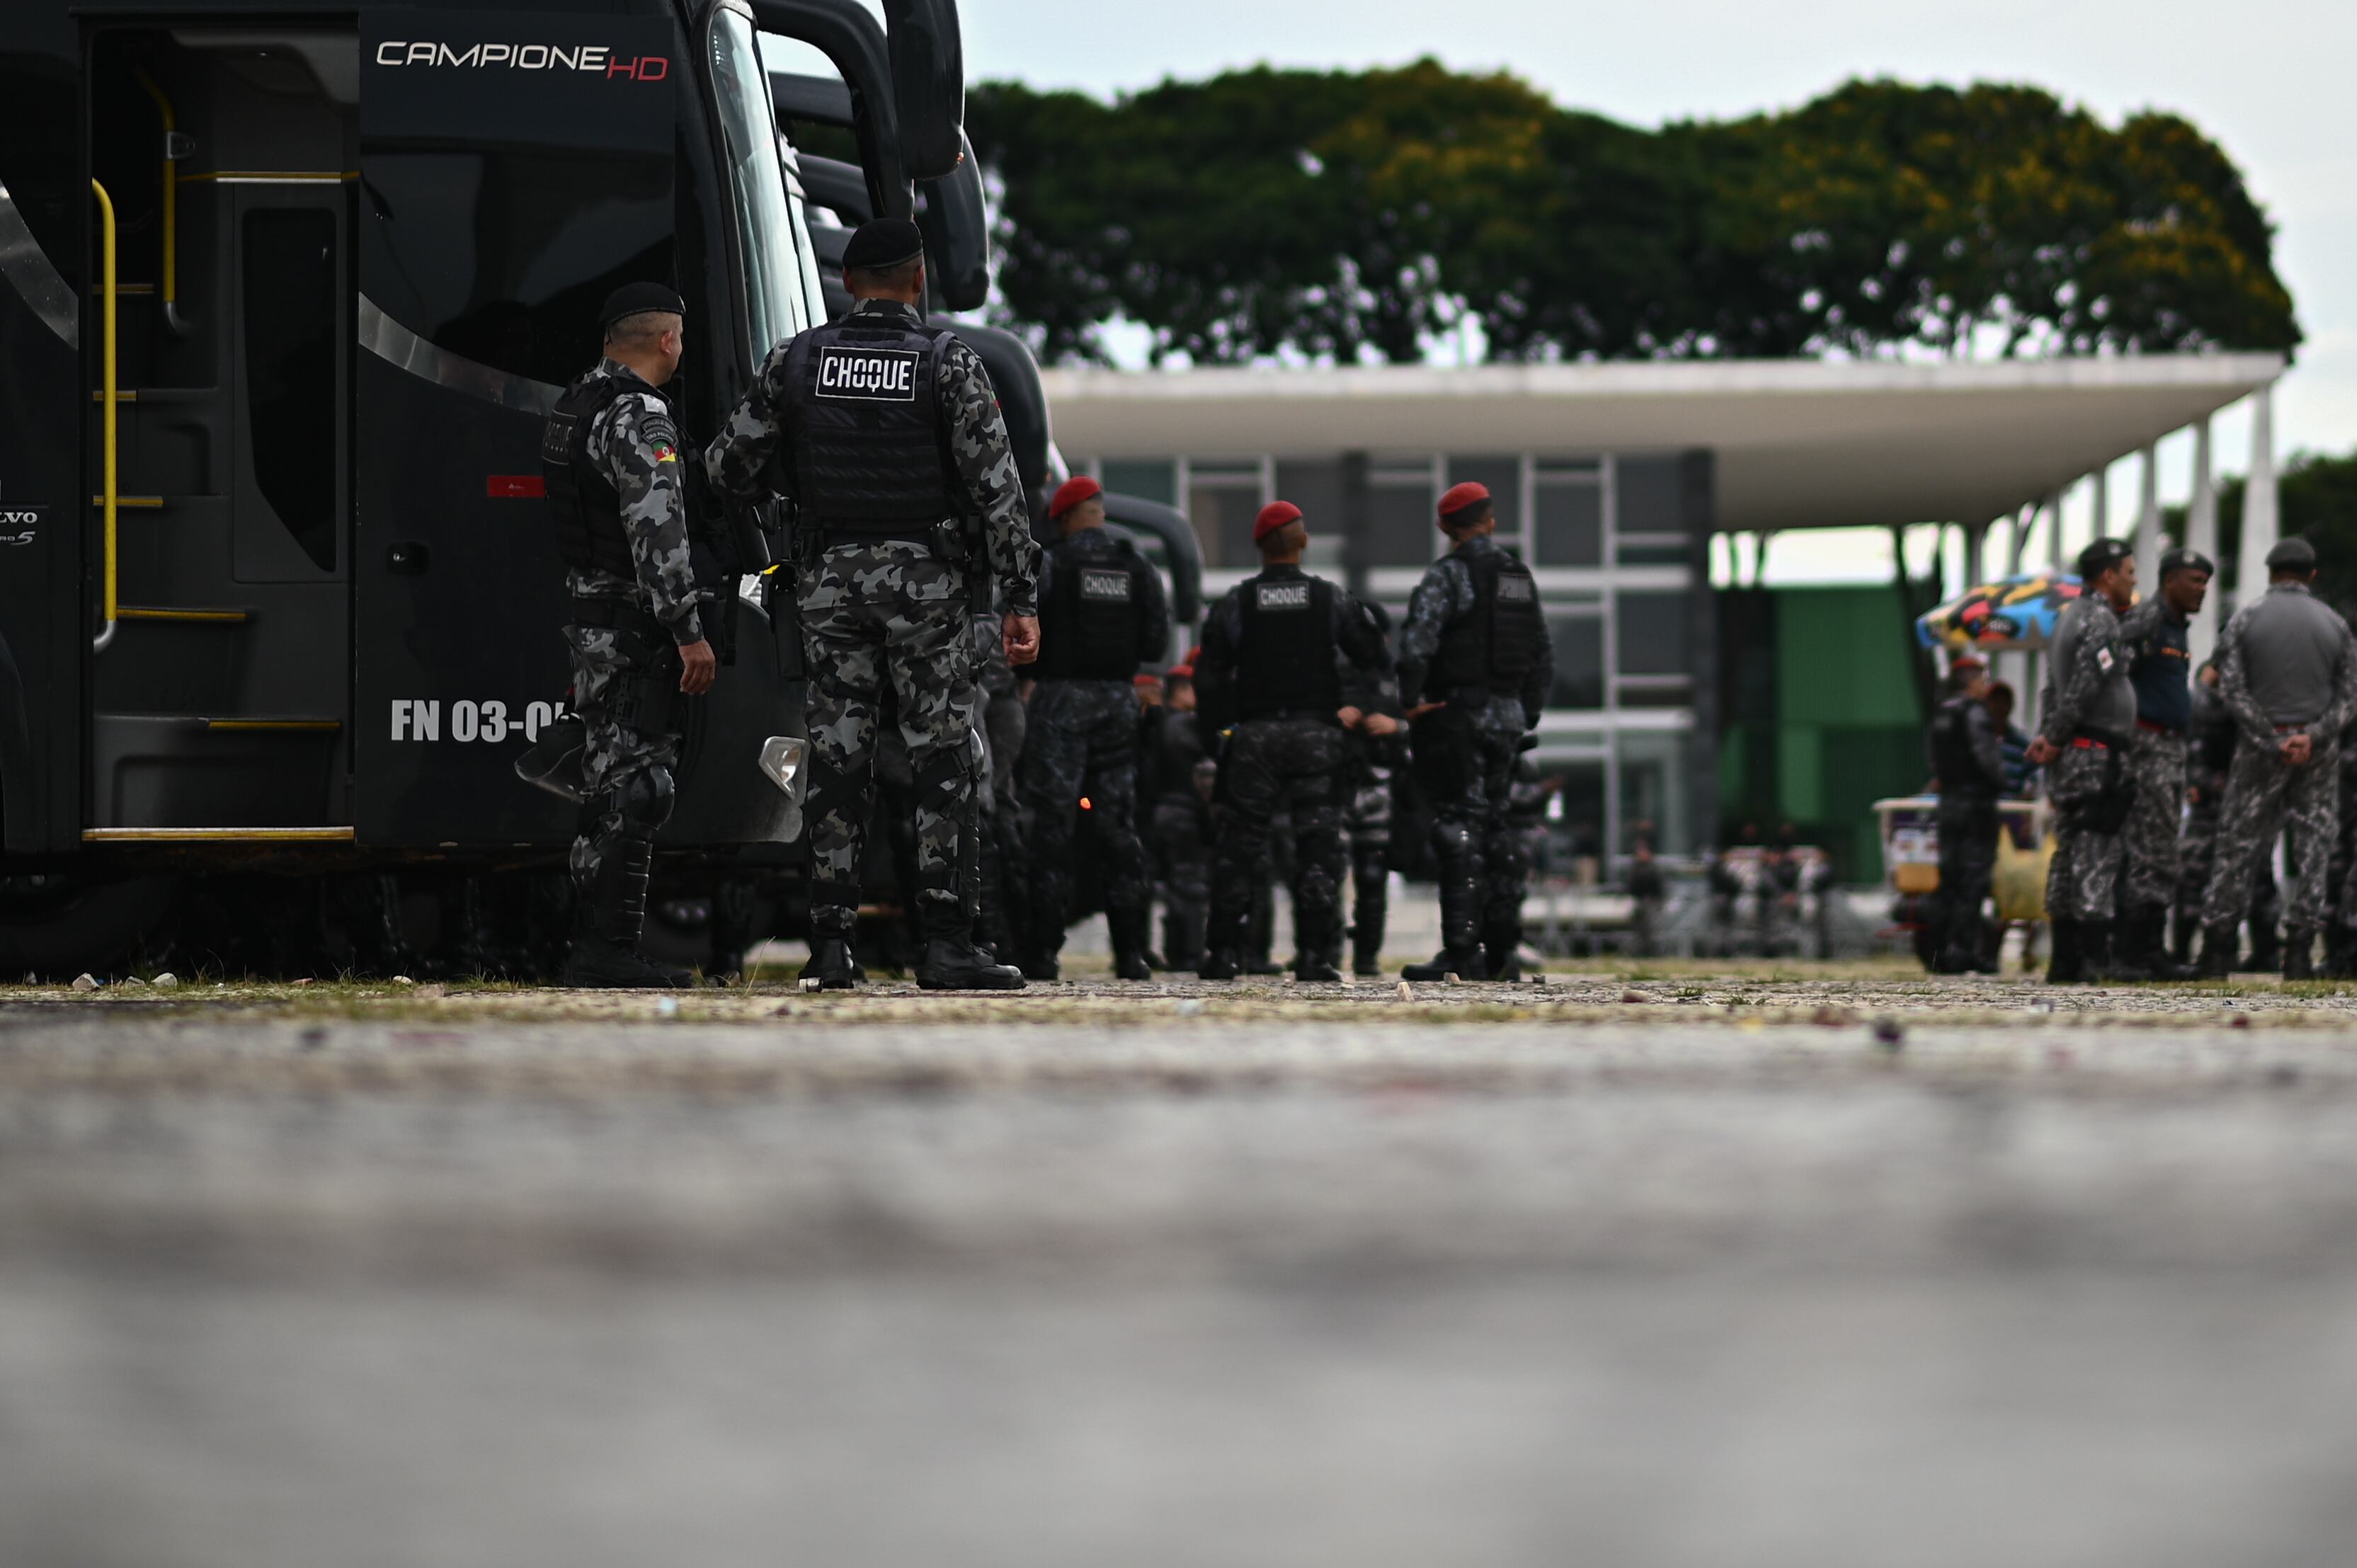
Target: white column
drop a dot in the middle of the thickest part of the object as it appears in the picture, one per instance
(1976, 561)
(2102, 528)
(2201, 533)
(2262, 522)
(2017, 540)
(2147, 521)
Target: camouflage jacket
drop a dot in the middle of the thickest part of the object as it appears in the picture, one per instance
(634, 443)
(985, 460)
(2086, 683)
(1447, 596)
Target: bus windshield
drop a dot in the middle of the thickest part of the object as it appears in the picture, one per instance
(769, 238)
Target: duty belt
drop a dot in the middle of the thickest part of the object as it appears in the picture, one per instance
(2098, 740)
(2152, 727)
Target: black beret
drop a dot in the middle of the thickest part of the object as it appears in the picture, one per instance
(2102, 556)
(2185, 558)
(882, 243)
(633, 297)
(2296, 553)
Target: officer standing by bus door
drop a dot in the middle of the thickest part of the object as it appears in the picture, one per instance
(2287, 672)
(1101, 615)
(2156, 634)
(2086, 710)
(1267, 675)
(610, 460)
(1475, 668)
(905, 489)
(1971, 776)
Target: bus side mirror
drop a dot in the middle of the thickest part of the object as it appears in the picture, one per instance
(955, 218)
(928, 84)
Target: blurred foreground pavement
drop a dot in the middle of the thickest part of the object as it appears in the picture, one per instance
(1227, 1283)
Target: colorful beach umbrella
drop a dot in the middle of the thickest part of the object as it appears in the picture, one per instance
(2018, 612)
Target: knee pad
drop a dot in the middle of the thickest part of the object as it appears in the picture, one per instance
(643, 800)
(1454, 839)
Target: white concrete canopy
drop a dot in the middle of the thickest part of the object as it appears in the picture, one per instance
(1799, 444)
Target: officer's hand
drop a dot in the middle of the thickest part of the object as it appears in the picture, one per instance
(1350, 716)
(696, 668)
(1421, 709)
(2042, 751)
(2297, 749)
(1022, 637)
(1382, 724)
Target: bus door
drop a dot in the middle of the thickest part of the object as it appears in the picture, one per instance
(515, 168)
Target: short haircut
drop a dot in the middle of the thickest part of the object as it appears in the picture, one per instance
(1471, 515)
(2000, 689)
(887, 280)
(1961, 678)
(1285, 536)
(644, 325)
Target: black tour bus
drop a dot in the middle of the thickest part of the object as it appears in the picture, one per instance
(286, 293)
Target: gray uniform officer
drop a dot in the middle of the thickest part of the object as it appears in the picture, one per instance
(904, 489)
(1267, 675)
(2287, 672)
(610, 460)
(1475, 668)
(2160, 668)
(1102, 616)
(2086, 710)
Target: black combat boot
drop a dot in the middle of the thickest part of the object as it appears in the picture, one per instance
(1502, 945)
(2095, 951)
(2065, 962)
(2180, 940)
(1221, 963)
(1366, 957)
(2219, 947)
(2340, 950)
(1182, 936)
(950, 962)
(2137, 954)
(2266, 949)
(1129, 929)
(831, 963)
(607, 953)
(1461, 929)
(2298, 954)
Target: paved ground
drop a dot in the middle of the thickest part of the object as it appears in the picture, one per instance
(1825, 1268)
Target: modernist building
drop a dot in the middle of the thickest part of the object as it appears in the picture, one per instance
(1613, 480)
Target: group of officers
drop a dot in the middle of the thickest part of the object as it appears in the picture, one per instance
(2170, 785)
(910, 536)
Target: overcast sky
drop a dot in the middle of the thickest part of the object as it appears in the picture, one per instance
(2268, 79)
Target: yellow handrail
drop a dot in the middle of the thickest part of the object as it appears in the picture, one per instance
(171, 282)
(107, 405)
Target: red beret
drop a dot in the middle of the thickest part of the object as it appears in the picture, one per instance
(1273, 516)
(1146, 678)
(1459, 497)
(1071, 493)
(1181, 673)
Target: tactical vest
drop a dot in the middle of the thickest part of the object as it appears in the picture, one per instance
(1498, 643)
(870, 441)
(2159, 667)
(1088, 622)
(1285, 662)
(582, 502)
(1177, 746)
(1959, 770)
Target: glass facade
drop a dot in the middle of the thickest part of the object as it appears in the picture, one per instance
(1613, 538)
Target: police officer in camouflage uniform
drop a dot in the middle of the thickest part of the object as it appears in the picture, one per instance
(610, 461)
(2155, 635)
(2208, 759)
(1267, 675)
(2087, 708)
(1475, 668)
(2287, 672)
(1378, 749)
(1101, 615)
(905, 497)
(1970, 775)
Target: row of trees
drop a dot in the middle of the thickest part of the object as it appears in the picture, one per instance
(1355, 215)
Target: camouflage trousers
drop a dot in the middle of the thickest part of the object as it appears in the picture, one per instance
(876, 614)
(612, 671)
(1464, 758)
(2156, 763)
(2082, 882)
(2263, 797)
(2199, 846)
(1368, 821)
(1968, 830)
(1080, 744)
(1294, 763)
